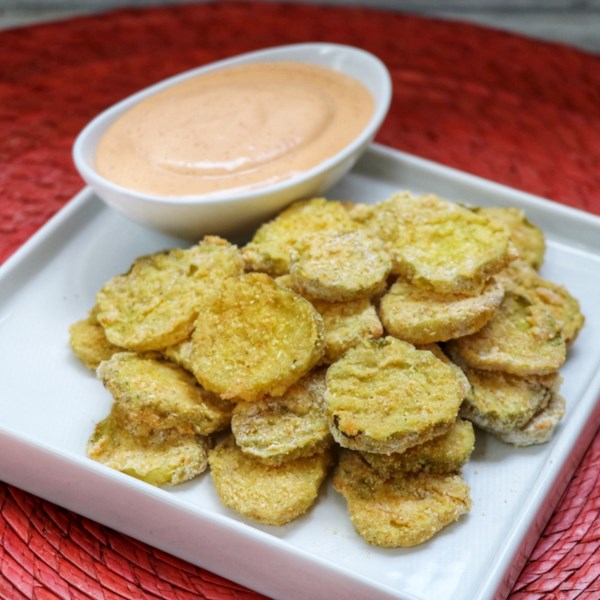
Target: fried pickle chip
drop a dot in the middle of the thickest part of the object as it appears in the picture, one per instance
(339, 267)
(157, 395)
(159, 460)
(421, 316)
(346, 323)
(89, 343)
(446, 453)
(522, 339)
(254, 338)
(270, 248)
(154, 305)
(400, 511)
(437, 351)
(527, 238)
(499, 402)
(180, 354)
(385, 396)
(540, 428)
(269, 494)
(557, 300)
(281, 429)
(438, 244)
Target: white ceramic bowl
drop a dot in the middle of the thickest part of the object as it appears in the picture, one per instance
(231, 213)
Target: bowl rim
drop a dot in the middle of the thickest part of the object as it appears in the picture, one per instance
(274, 53)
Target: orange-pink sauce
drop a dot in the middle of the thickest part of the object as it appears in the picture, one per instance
(238, 128)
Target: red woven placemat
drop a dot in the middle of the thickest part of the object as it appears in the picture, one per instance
(516, 111)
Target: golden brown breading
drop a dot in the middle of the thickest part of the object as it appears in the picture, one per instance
(89, 344)
(422, 316)
(154, 305)
(527, 238)
(180, 354)
(446, 453)
(339, 267)
(437, 351)
(499, 402)
(281, 429)
(522, 339)
(541, 427)
(254, 338)
(269, 494)
(270, 248)
(402, 511)
(346, 323)
(521, 278)
(437, 244)
(157, 395)
(385, 396)
(168, 458)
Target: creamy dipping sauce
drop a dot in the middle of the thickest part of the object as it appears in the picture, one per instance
(238, 128)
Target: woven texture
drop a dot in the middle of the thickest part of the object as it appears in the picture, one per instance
(523, 113)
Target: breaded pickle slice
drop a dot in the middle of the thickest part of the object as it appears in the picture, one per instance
(281, 429)
(157, 395)
(499, 402)
(266, 493)
(154, 305)
(403, 510)
(522, 338)
(437, 351)
(540, 428)
(438, 244)
(339, 267)
(270, 248)
(254, 338)
(527, 238)
(446, 453)
(159, 460)
(180, 354)
(346, 323)
(385, 396)
(421, 316)
(557, 300)
(89, 343)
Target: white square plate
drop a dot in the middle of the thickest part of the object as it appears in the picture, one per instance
(49, 404)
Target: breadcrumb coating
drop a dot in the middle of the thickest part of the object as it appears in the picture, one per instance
(163, 459)
(400, 511)
(556, 299)
(159, 395)
(422, 316)
(254, 338)
(528, 239)
(385, 396)
(270, 249)
(266, 493)
(446, 453)
(281, 429)
(155, 304)
(541, 427)
(522, 338)
(89, 343)
(339, 267)
(439, 244)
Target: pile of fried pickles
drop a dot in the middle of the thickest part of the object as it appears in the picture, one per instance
(364, 340)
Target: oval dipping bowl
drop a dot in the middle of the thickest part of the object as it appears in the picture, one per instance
(232, 213)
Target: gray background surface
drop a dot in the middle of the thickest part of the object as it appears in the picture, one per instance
(573, 22)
